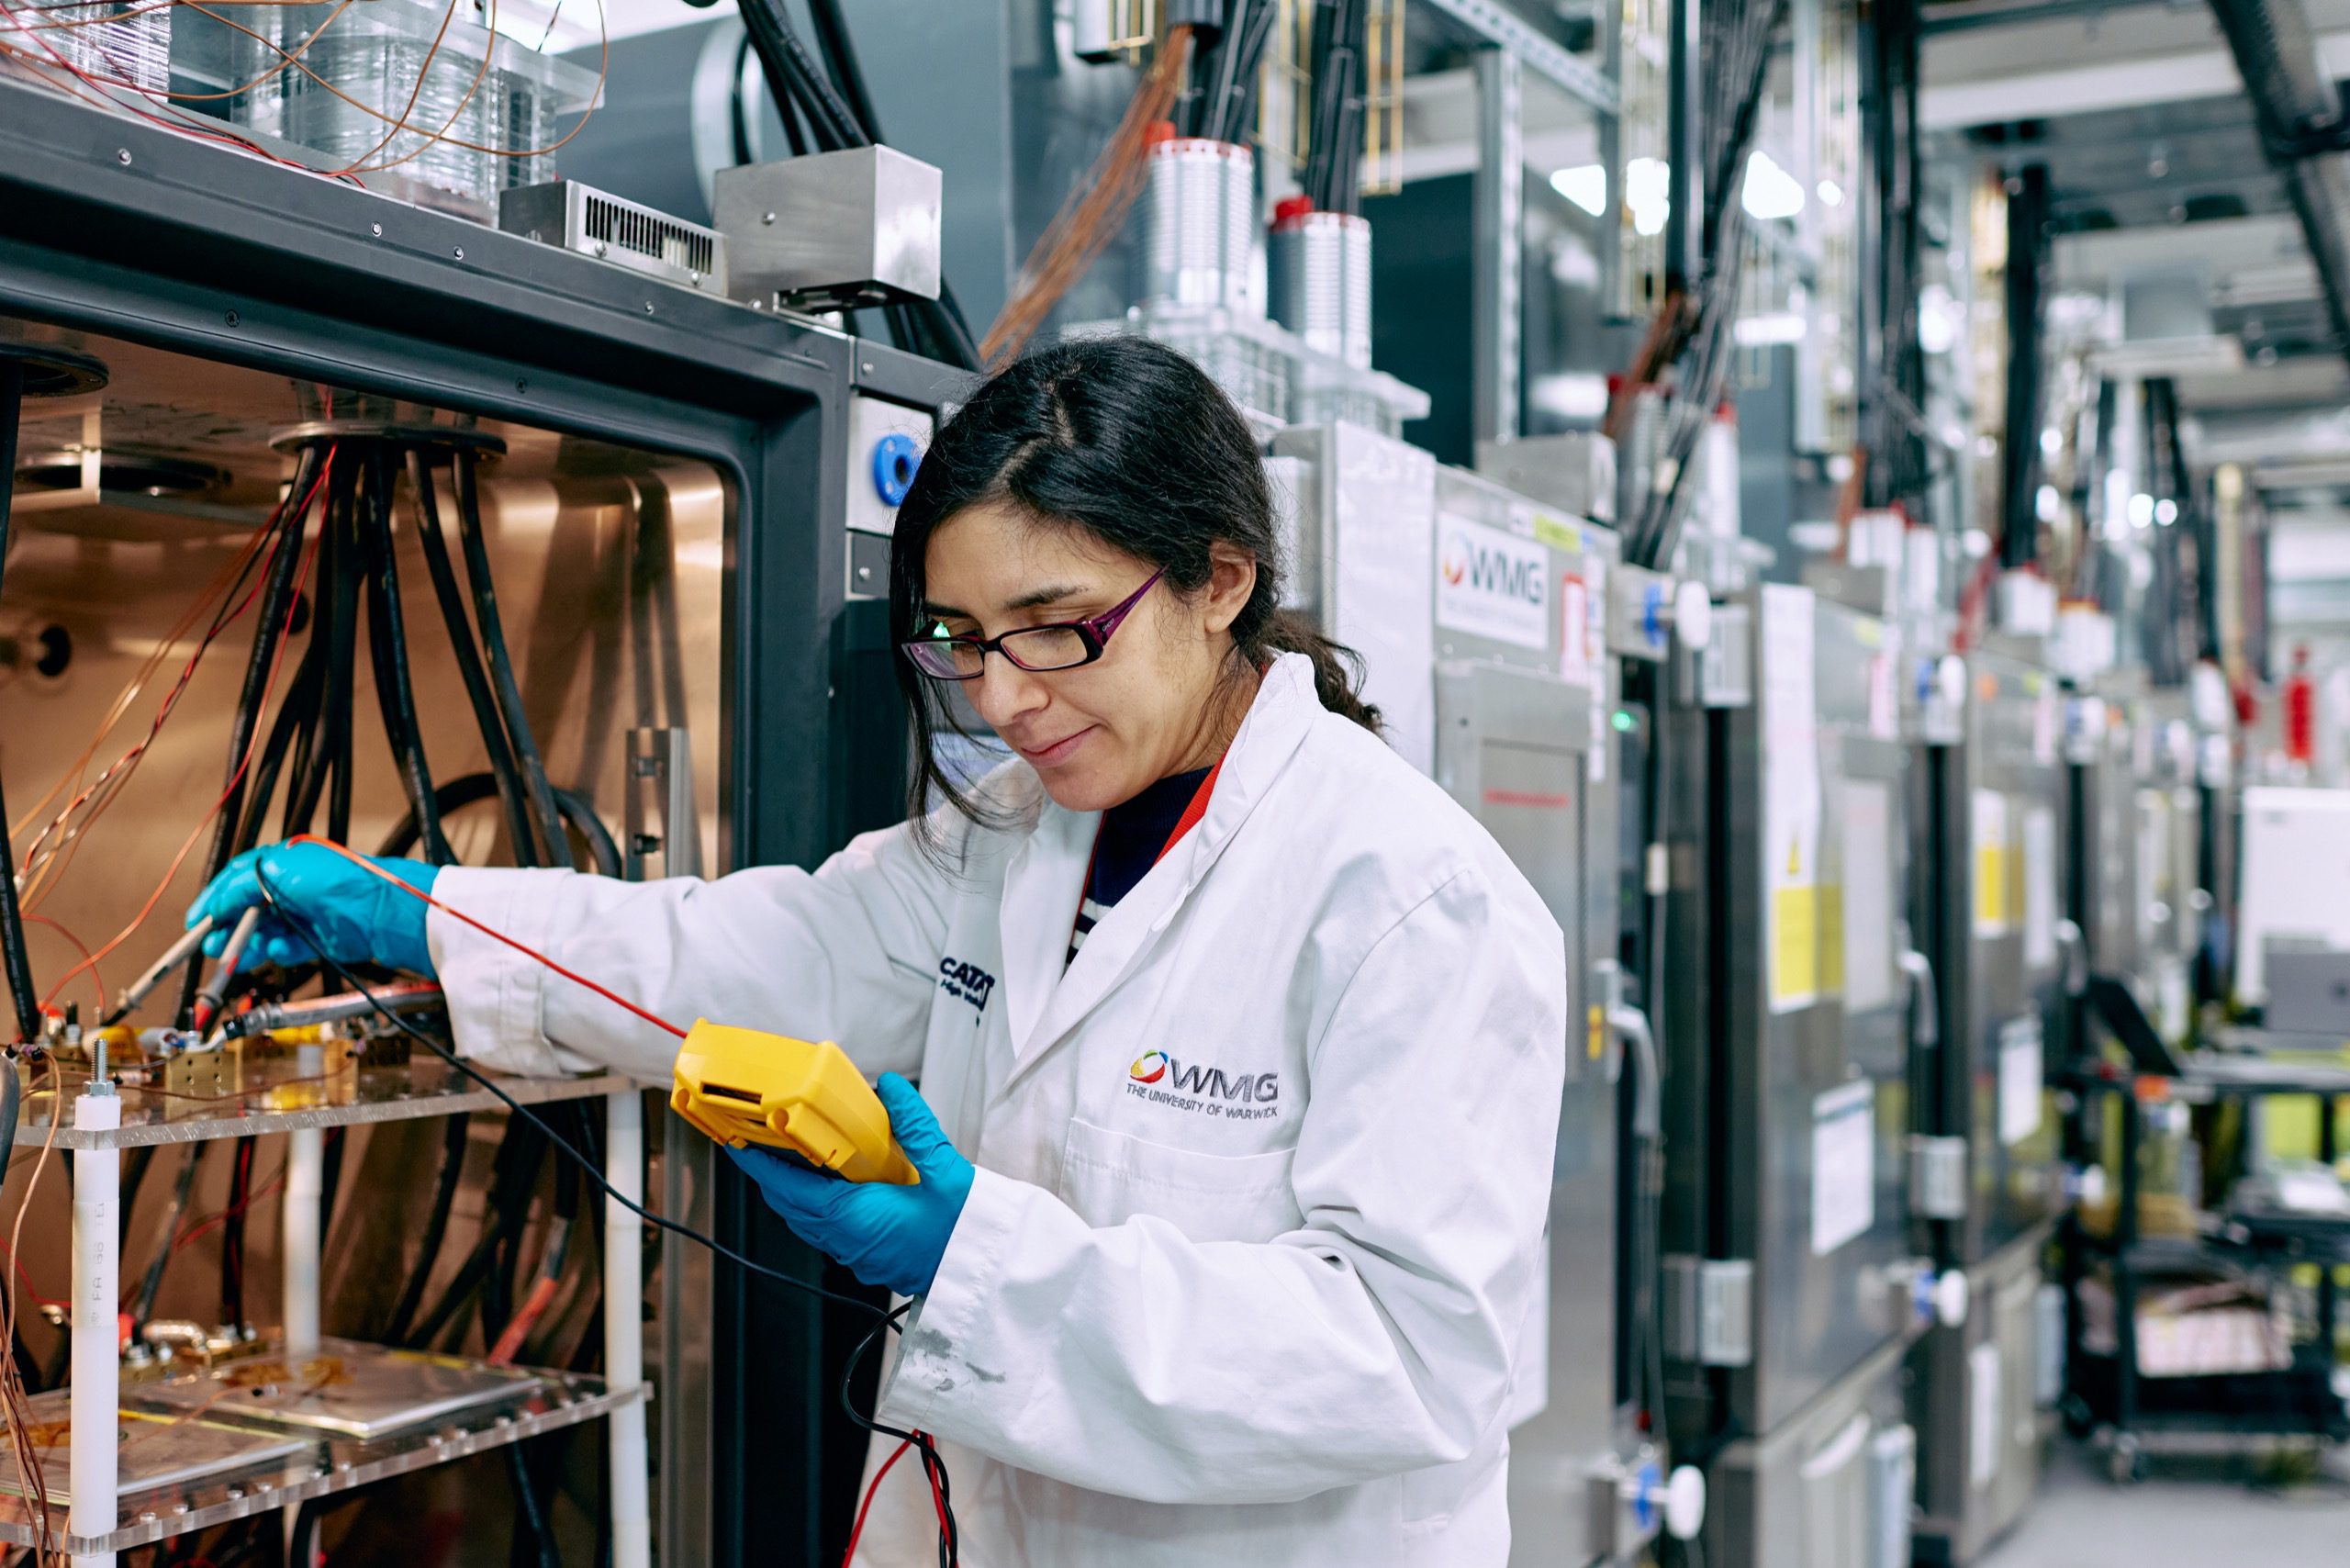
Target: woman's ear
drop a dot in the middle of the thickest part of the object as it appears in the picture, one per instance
(1232, 577)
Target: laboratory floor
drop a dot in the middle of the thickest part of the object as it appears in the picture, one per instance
(2188, 1513)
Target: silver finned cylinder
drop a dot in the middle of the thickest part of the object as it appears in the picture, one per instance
(1240, 232)
(1200, 206)
(1319, 266)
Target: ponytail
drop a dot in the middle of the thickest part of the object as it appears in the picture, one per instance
(1337, 669)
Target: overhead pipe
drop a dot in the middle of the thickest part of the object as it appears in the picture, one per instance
(2303, 133)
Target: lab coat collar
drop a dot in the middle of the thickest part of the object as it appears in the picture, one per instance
(1045, 877)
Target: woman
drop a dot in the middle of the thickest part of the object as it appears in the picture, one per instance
(1243, 1043)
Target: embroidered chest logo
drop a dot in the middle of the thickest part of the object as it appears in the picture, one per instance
(965, 982)
(1205, 1091)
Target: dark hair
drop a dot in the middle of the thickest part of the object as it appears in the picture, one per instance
(1130, 441)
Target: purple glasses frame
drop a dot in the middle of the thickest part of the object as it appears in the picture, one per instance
(1093, 632)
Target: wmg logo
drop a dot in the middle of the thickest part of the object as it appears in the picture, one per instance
(1159, 1071)
(1472, 566)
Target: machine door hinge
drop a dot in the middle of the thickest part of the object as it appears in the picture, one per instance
(658, 808)
(1709, 1310)
(1938, 1178)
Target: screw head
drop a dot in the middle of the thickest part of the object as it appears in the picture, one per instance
(122, 156)
(231, 318)
(461, 253)
(376, 229)
(521, 383)
(648, 307)
(602, 249)
(767, 218)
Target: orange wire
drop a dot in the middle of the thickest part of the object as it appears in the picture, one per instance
(80, 947)
(276, 663)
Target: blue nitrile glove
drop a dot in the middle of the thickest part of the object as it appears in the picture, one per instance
(888, 1234)
(361, 919)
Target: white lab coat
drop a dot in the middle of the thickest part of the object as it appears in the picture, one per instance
(1261, 1177)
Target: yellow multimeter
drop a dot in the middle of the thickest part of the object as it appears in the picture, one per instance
(745, 1086)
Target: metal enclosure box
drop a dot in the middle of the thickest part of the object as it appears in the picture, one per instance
(1523, 691)
(1787, 1021)
(1576, 471)
(1991, 919)
(578, 218)
(2104, 894)
(834, 228)
(1994, 803)
(1358, 511)
(1831, 1489)
(2295, 863)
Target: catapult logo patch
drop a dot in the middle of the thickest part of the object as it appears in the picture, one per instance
(965, 982)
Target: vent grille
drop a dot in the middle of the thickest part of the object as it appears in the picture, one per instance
(661, 239)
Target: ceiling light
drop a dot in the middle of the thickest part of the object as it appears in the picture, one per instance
(1648, 191)
(1770, 191)
(1584, 185)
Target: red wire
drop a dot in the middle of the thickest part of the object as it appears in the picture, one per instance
(31, 1289)
(414, 891)
(866, 1507)
(230, 1212)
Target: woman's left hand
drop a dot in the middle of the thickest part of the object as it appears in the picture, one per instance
(888, 1234)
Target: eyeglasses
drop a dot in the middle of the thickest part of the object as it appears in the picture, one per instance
(1036, 649)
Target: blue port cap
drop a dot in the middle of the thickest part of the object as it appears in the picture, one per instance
(895, 458)
(1644, 1499)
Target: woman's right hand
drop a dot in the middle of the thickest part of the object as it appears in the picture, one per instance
(357, 917)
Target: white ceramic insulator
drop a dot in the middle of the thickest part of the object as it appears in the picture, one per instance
(91, 1455)
(306, 1170)
(625, 1329)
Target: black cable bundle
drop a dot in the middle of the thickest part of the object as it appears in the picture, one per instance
(486, 719)
(1235, 66)
(277, 595)
(14, 957)
(1334, 158)
(545, 809)
(1739, 58)
(838, 117)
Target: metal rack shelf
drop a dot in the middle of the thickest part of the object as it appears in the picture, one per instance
(329, 1464)
(282, 1100)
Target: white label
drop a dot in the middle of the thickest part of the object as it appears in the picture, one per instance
(1884, 702)
(1843, 1165)
(2039, 873)
(2021, 1077)
(2045, 720)
(1983, 1414)
(1868, 895)
(1492, 584)
(1575, 625)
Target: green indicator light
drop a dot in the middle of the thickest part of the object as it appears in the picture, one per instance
(1623, 719)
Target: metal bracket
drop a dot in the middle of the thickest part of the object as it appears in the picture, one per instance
(2073, 949)
(1938, 1178)
(1925, 1000)
(658, 817)
(1726, 665)
(1709, 1310)
(1498, 25)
